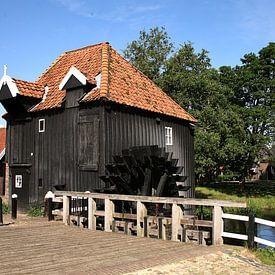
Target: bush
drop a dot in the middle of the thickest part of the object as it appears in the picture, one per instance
(228, 177)
(35, 211)
(5, 208)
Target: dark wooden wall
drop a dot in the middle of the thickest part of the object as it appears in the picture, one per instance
(127, 127)
(77, 143)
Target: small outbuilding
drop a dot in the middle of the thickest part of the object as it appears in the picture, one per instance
(89, 105)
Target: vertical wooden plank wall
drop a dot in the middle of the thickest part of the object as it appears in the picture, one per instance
(126, 128)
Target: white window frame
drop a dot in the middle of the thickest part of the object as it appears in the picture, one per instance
(18, 181)
(41, 122)
(168, 135)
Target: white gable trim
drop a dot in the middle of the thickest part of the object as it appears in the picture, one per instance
(2, 154)
(11, 84)
(77, 74)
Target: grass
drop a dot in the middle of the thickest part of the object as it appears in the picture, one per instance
(260, 197)
(266, 255)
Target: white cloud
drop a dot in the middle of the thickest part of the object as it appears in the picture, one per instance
(76, 6)
(118, 12)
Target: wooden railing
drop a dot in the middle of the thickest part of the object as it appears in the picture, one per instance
(250, 237)
(177, 220)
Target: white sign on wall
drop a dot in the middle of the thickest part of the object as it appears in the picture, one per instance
(18, 181)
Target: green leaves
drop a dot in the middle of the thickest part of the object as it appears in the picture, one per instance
(150, 52)
(234, 106)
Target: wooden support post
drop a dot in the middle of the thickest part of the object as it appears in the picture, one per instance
(217, 226)
(108, 216)
(14, 206)
(161, 229)
(176, 217)
(66, 210)
(184, 237)
(91, 214)
(200, 237)
(50, 209)
(146, 227)
(126, 229)
(114, 226)
(141, 213)
(1, 211)
(251, 231)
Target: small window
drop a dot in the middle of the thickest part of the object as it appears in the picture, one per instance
(41, 125)
(168, 136)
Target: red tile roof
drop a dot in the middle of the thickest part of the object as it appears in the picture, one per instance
(31, 89)
(2, 139)
(120, 82)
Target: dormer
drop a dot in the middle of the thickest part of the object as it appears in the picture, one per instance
(76, 85)
(17, 96)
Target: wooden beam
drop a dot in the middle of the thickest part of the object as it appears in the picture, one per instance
(150, 199)
(108, 218)
(91, 214)
(141, 213)
(217, 225)
(66, 210)
(176, 218)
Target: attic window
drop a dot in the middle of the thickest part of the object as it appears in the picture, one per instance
(41, 125)
(168, 136)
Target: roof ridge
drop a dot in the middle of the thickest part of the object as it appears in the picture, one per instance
(51, 65)
(85, 47)
(140, 72)
(104, 85)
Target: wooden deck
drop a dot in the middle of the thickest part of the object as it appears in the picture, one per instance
(53, 248)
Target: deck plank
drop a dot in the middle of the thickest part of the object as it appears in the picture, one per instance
(54, 248)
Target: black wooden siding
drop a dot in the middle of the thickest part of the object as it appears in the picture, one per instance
(54, 155)
(126, 127)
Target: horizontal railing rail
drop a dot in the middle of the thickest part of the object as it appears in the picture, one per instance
(252, 225)
(142, 222)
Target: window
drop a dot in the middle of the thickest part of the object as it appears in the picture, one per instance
(18, 181)
(168, 136)
(41, 125)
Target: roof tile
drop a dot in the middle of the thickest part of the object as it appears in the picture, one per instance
(121, 82)
(30, 89)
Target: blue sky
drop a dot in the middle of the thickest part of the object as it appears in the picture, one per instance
(35, 32)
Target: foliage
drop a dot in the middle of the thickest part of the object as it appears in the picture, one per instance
(150, 52)
(266, 255)
(233, 105)
(35, 211)
(5, 208)
(253, 85)
(260, 198)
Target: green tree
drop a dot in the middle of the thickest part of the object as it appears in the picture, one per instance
(150, 52)
(233, 105)
(253, 85)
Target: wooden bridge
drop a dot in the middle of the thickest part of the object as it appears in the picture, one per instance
(53, 248)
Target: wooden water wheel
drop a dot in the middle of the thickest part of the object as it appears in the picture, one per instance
(144, 170)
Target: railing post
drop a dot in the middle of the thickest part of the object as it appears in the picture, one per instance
(66, 210)
(217, 225)
(14, 206)
(91, 214)
(141, 213)
(251, 231)
(176, 217)
(108, 216)
(50, 209)
(1, 211)
(161, 229)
